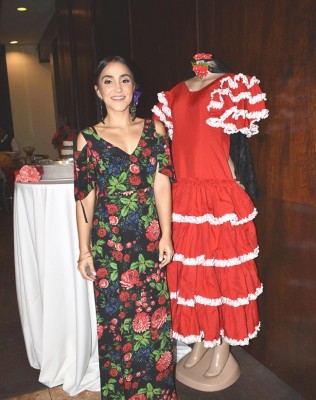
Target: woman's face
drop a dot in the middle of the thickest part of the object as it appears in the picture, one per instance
(116, 86)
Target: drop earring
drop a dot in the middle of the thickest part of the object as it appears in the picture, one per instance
(102, 113)
(132, 109)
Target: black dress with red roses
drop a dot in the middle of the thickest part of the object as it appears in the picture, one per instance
(132, 299)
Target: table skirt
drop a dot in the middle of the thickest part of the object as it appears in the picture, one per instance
(56, 305)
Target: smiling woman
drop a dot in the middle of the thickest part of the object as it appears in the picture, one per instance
(123, 195)
(115, 86)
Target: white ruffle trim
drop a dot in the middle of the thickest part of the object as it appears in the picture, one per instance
(217, 105)
(213, 262)
(163, 119)
(164, 113)
(216, 302)
(235, 113)
(232, 218)
(163, 100)
(233, 84)
(233, 342)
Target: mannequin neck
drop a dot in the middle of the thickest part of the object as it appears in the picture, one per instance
(195, 83)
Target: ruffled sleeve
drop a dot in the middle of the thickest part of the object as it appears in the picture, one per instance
(162, 111)
(237, 105)
(164, 157)
(84, 164)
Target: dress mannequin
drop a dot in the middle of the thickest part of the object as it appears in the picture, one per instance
(208, 369)
(213, 280)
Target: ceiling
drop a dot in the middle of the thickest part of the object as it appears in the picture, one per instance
(26, 27)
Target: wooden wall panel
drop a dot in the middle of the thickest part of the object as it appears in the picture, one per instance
(205, 27)
(164, 39)
(83, 62)
(274, 42)
(226, 24)
(75, 63)
(5, 109)
(65, 92)
(112, 28)
(287, 306)
(287, 72)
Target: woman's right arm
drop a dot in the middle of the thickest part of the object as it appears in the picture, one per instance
(85, 261)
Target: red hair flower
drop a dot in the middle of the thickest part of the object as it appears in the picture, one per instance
(202, 56)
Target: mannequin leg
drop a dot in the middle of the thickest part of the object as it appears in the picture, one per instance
(210, 370)
(195, 355)
(219, 360)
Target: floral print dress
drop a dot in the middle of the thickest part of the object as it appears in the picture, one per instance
(131, 295)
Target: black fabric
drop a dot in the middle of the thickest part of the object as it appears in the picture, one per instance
(240, 153)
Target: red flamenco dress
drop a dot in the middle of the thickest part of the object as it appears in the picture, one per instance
(213, 279)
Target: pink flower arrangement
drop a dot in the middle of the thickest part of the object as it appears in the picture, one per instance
(29, 173)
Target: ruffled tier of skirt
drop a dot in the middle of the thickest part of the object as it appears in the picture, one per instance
(213, 279)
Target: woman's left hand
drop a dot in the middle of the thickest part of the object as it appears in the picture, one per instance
(165, 251)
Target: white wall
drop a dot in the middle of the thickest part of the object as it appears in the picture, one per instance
(32, 101)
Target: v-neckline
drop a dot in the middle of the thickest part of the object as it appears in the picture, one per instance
(116, 147)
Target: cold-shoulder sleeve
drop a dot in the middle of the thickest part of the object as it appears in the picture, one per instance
(84, 164)
(164, 157)
(237, 105)
(162, 111)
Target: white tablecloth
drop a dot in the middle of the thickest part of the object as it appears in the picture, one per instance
(56, 305)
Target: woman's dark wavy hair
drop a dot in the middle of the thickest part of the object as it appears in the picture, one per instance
(102, 64)
(107, 60)
(240, 151)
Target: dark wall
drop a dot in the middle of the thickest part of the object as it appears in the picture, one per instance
(273, 40)
(74, 63)
(5, 109)
(283, 57)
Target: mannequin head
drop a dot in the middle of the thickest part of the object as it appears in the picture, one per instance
(208, 63)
